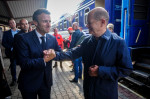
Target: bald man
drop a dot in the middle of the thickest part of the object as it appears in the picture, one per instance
(105, 57)
(24, 26)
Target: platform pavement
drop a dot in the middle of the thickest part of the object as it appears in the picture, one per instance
(62, 88)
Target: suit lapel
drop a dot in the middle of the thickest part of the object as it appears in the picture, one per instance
(11, 35)
(36, 40)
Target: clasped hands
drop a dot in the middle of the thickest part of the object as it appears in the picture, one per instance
(93, 71)
(49, 55)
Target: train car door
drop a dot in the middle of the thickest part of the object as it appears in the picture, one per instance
(114, 9)
(135, 22)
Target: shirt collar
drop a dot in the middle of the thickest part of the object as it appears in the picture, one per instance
(106, 35)
(77, 30)
(14, 31)
(38, 34)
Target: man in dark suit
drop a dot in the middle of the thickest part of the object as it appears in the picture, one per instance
(105, 57)
(7, 42)
(24, 26)
(36, 69)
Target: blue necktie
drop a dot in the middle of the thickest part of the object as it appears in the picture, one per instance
(43, 42)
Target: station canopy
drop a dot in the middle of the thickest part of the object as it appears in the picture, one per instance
(19, 9)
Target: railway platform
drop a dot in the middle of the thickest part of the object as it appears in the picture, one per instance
(63, 89)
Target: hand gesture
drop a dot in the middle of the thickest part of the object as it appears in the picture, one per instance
(93, 70)
(49, 55)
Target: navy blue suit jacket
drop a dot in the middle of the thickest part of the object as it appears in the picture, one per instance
(111, 54)
(7, 42)
(30, 58)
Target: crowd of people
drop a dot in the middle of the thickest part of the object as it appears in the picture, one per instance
(104, 55)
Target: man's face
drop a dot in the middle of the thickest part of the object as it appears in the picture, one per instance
(110, 29)
(55, 31)
(44, 23)
(94, 26)
(70, 31)
(74, 27)
(24, 25)
(12, 24)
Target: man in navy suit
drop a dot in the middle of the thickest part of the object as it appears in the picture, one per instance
(35, 78)
(7, 42)
(105, 57)
(24, 26)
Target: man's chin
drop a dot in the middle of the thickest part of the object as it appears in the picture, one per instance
(47, 31)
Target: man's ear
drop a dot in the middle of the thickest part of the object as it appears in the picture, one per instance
(103, 21)
(35, 23)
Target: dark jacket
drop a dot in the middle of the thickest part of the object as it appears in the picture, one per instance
(111, 54)
(16, 40)
(7, 42)
(30, 58)
(75, 37)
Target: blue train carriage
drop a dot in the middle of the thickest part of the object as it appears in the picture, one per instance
(135, 29)
(80, 16)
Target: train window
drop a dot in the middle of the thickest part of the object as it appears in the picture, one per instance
(65, 24)
(140, 9)
(60, 26)
(77, 18)
(85, 15)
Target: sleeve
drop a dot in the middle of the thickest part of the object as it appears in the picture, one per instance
(24, 56)
(71, 54)
(5, 41)
(123, 65)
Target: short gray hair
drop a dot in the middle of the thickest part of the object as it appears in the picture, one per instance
(99, 14)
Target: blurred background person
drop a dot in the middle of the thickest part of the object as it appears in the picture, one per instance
(24, 26)
(110, 26)
(60, 43)
(77, 34)
(70, 31)
(30, 28)
(7, 42)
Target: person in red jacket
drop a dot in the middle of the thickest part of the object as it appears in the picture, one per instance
(60, 43)
(70, 31)
(58, 38)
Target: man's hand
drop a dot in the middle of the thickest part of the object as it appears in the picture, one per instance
(93, 70)
(49, 55)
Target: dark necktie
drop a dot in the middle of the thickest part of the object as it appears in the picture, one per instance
(43, 42)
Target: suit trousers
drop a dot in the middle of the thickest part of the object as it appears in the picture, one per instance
(13, 68)
(43, 93)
